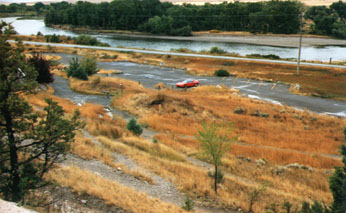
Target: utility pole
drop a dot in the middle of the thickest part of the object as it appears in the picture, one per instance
(300, 40)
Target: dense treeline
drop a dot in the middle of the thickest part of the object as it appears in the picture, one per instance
(158, 17)
(23, 9)
(328, 21)
(165, 18)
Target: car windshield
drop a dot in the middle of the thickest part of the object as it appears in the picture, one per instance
(187, 81)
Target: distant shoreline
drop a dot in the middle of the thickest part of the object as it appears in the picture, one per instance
(266, 40)
(276, 40)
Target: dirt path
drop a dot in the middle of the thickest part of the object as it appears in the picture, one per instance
(161, 189)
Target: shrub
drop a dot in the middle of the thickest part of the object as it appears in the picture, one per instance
(43, 68)
(75, 70)
(228, 63)
(221, 73)
(89, 40)
(269, 56)
(89, 65)
(217, 50)
(52, 38)
(188, 204)
(106, 56)
(183, 31)
(134, 127)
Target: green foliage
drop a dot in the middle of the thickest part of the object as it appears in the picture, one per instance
(316, 207)
(106, 56)
(40, 142)
(217, 50)
(75, 70)
(43, 68)
(215, 141)
(287, 206)
(305, 207)
(89, 40)
(221, 73)
(272, 208)
(134, 127)
(81, 70)
(337, 184)
(158, 17)
(165, 25)
(89, 64)
(339, 30)
(188, 204)
(270, 56)
(328, 21)
(52, 38)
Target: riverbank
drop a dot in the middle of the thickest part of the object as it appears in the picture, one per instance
(277, 40)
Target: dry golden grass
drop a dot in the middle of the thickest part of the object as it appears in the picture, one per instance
(287, 136)
(185, 145)
(286, 128)
(102, 71)
(88, 150)
(111, 192)
(98, 85)
(110, 128)
(291, 185)
(283, 157)
(154, 149)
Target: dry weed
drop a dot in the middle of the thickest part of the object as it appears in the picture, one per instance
(111, 192)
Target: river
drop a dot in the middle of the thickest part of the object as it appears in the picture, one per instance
(32, 26)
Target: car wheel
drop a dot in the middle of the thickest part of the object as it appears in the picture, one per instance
(185, 86)
(196, 85)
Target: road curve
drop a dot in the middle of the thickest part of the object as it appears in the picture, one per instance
(180, 54)
(276, 93)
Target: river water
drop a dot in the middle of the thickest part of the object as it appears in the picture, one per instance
(32, 26)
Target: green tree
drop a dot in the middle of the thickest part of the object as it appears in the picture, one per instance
(76, 70)
(339, 30)
(38, 6)
(340, 9)
(89, 64)
(215, 141)
(134, 127)
(29, 145)
(337, 184)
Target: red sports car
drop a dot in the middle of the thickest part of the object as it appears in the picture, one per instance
(188, 83)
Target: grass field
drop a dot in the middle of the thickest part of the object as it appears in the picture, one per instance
(285, 136)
